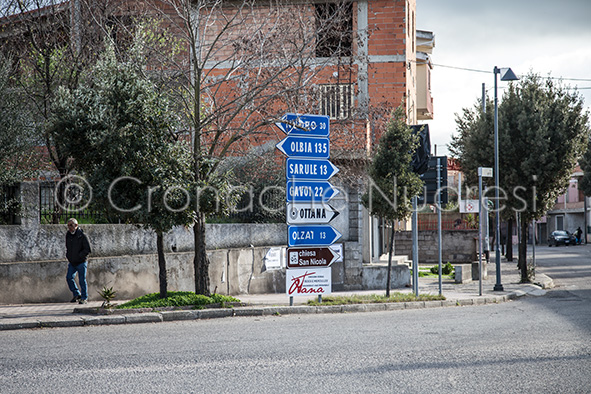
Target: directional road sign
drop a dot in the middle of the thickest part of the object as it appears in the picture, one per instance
(312, 169)
(313, 235)
(307, 191)
(301, 146)
(310, 213)
(310, 257)
(309, 125)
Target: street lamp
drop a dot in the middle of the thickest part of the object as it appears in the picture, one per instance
(506, 75)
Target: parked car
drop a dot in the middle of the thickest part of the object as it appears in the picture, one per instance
(560, 237)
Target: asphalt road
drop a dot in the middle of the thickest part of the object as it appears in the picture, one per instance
(533, 344)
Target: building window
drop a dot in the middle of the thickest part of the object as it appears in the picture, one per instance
(336, 101)
(334, 29)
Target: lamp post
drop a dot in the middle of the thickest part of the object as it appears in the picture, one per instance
(506, 75)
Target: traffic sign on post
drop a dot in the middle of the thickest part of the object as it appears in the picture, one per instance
(317, 170)
(308, 170)
(312, 235)
(309, 125)
(301, 146)
(310, 213)
(307, 191)
(310, 257)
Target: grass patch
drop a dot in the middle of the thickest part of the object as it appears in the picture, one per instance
(176, 298)
(375, 298)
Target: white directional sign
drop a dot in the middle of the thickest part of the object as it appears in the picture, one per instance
(311, 213)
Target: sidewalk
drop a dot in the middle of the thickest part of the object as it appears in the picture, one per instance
(14, 317)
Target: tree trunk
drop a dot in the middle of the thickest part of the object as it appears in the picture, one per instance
(509, 243)
(201, 262)
(161, 265)
(522, 263)
(390, 251)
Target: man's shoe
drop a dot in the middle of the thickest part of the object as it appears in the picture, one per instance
(83, 301)
(76, 298)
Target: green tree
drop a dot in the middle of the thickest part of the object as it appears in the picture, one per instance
(585, 163)
(392, 180)
(543, 131)
(17, 155)
(121, 135)
(54, 43)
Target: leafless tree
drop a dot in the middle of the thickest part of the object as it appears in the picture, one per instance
(244, 64)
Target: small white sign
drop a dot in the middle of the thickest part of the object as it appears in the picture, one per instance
(485, 172)
(469, 206)
(338, 248)
(273, 260)
(308, 282)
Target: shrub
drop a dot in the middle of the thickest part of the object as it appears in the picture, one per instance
(447, 269)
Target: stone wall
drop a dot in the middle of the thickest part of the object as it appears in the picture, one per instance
(232, 271)
(458, 246)
(47, 242)
(33, 267)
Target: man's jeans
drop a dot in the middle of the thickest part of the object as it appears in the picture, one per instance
(81, 270)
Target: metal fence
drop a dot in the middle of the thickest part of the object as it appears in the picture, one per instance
(268, 207)
(57, 206)
(69, 203)
(457, 224)
(9, 204)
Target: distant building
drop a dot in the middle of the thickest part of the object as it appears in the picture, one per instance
(569, 211)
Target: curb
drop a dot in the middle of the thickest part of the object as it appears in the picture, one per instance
(544, 281)
(167, 316)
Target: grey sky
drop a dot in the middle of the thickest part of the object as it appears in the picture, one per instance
(547, 37)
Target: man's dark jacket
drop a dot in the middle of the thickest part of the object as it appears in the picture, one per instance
(77, 247)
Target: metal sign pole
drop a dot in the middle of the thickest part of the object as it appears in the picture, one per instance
(439, 241)
(480, 223)
(415, 247)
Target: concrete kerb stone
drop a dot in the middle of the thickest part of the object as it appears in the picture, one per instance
(216, 313)
(16, 325)
(54, 323)
(157, 317)
(394, 306)
(249, 311)
(433, 304)
(179, 315)
(104, 320)
(465, 301)
(143, 318)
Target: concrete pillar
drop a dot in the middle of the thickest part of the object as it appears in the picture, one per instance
(29, 198)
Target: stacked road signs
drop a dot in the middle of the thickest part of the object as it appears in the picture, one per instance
(430, 180)
(307, 147)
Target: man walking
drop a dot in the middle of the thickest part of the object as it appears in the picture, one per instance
(77, 250)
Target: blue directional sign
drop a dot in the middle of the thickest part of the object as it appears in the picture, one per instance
(312, 235)
(306, 191)
(300, 146)
(309, 125)
(317, 170)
